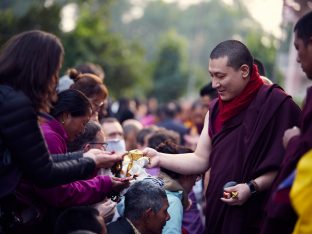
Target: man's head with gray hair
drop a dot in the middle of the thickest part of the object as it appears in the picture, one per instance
(146, 206)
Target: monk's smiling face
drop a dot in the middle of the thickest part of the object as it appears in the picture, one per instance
(228, 81)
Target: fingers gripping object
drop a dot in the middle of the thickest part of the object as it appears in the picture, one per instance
(136, 156)
(115, 198)
(132, 165)
(233, 194)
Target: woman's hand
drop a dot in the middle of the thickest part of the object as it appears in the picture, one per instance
(104, 159)
(241, 194)
(153, 155)
(120, 184)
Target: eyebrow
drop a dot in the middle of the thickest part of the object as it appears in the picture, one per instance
(217, 73)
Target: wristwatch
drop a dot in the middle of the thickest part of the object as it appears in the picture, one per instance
(253, 187)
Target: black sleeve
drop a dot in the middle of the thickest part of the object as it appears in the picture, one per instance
(67, 156)
(22, 136)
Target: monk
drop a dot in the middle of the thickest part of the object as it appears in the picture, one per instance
(241, 141)
(281, 217)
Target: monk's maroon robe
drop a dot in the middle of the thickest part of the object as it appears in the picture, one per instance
(280, 216)
(249, 145)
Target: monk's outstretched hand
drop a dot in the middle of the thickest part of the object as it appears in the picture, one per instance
(154, 157)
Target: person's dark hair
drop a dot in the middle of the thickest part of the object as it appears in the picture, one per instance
(78, 218)
(237, 53)
(141, 196)
(89, 135)
(92, 69)
(170, 147)
(303, 28)
(89, 84)
(73, 102)
(161, 135)
(144, 132)
(124, 111)
(168, 110)
(260, 66)
(30, 62)
(207, 90)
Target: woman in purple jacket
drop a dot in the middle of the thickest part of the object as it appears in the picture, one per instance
(67, 121)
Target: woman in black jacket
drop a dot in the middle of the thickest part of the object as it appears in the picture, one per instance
(29, 66)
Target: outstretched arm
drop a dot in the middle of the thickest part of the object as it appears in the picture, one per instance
(191, 163)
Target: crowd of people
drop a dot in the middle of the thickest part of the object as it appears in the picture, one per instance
(236, 160)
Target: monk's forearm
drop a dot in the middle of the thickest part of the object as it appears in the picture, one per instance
(244, 191)
(186, 164)
(265, 181)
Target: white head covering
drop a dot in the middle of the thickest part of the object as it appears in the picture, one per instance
(64, 83)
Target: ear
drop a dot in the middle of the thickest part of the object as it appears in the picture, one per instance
(62, 118)
(245, 71)
(148, 213)
(86, 147)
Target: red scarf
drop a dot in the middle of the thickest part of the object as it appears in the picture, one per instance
(229, 109)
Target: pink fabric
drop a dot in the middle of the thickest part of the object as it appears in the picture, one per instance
(148, 120)
(55, 136)
(83, 192)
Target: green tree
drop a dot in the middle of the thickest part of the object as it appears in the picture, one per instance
(263, 48)
(170, 75)
(123, 62)
(202, 25)
(91, 41)
(13, 21)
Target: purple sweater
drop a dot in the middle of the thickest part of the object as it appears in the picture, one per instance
(83, 192)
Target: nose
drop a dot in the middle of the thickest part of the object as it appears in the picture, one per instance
(168, 216)
(215, 83)
(298, 59)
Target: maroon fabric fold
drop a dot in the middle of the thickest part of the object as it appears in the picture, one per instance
(280, 216)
